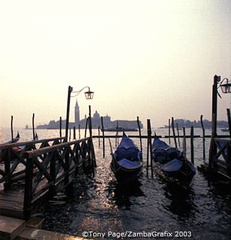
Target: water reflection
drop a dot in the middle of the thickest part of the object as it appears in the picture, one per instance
(123, 193)
(181, 201)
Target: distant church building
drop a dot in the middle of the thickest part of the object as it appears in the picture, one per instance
(77, 115)
(96, 122)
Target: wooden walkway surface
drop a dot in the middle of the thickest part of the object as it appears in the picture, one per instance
(11, 202)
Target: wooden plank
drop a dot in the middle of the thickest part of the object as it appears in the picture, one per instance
(10, 228)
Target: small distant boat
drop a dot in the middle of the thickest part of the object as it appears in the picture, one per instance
(173, 165)
(126, 161)
(16, 139)
(119, 129)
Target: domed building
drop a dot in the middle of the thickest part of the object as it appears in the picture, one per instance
(95, 120)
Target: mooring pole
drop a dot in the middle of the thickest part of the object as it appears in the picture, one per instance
(90, 123)
(11, 126)
(68, 111)
(102, 127)
(192, 144)
(138, 123)
(149, 162)
(60, 126)
(33, 126)
(203, 136)
(229, 120)
(169, 131)
(184, 143)
(173, 131)
(79, 132)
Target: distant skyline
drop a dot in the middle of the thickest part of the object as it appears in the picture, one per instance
(155, 59)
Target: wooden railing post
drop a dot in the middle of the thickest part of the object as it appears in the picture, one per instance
(28, 195)
(67, 164)
(53, 171)
(7, 183)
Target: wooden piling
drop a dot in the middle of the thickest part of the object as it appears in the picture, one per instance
(90, 123)
(33, 126)
(184, 142)
(138, 123)
(169, 131)
(149, 149)
(12, 127)
(173, 132)
(85, 134)
(117, 132)
(102, 127)
(229, 120)
(69, 134)
(203, 136)
(192, 144)
(60, 126)
(79, 132)
(99, 136)
(74, 132)
(178, 134)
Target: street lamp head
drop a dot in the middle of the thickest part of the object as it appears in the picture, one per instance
(226, 86)
(89, 94)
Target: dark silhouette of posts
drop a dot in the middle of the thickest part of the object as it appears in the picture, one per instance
(149, 148)
(229, 120)
(33, 126)
(203, 136)
(216, 80)
(12, 128)
(213, 148)
(103, 137)
(68, 111)
(138, 123)
(173, 131)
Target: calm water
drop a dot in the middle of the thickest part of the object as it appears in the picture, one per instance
(149, 210)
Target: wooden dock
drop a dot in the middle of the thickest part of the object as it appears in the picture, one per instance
(32, 174)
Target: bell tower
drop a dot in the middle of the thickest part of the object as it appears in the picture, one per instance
(77, 118)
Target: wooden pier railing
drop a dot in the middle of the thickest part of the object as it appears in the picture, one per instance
(13, 157)
(220, 156)
(40, 172)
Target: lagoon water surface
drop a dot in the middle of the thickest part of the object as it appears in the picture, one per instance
(150, 209)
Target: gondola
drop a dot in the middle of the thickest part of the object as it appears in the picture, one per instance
(171, 164)
(3, 152)
(126, 161)
(13, 140)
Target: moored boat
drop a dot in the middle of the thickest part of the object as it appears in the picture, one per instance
(126, 161)
(3, 153)
(13, 140)
(173, 166)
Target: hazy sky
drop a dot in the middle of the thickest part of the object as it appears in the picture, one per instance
(149, 58)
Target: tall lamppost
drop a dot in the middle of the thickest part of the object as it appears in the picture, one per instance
(225, 85)
(88, 94)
